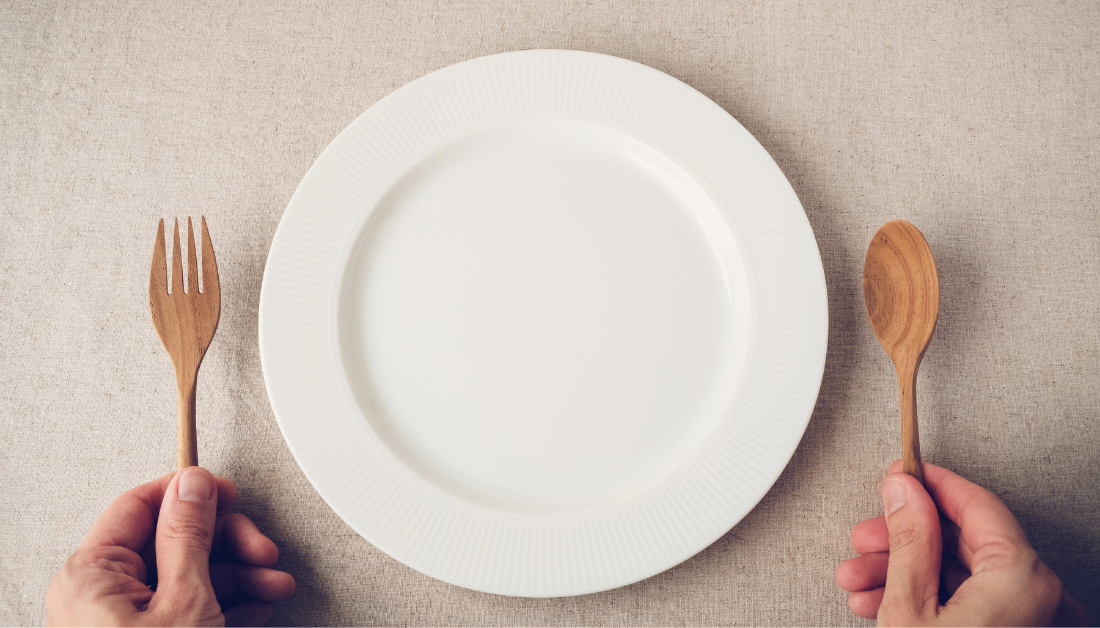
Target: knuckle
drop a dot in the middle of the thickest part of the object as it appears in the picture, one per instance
(1005, 552)
(903, 538)
(190, 603)
(892, 613)
(1047, 587)
(183, 593)
(188, 528)
(888, 615)
(1014, 553)
(76, 576)
(94, 556)
(84, 558)
(83, 562)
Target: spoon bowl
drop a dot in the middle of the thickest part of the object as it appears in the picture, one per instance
(901, 289)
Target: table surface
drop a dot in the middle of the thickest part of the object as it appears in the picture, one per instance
(978, 122)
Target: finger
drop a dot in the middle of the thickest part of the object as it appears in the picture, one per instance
(218, 553)
(233, 581)
(184, 534)
(149, 557)
(913, 574)
(243, 541)
(950, 536)
(119, 561)
(227, 492)
(866, 603)
(249, 614)
(954, 574)
(129, 521)
(863, 573)
(982, 518)
(871, 536)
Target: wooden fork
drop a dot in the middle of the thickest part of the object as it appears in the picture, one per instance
(185, 322)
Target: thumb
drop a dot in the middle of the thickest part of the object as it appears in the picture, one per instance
(913, 573)
(185, 532)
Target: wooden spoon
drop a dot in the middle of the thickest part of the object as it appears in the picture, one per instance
(902, 291)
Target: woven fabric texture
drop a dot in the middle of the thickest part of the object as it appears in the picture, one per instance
(978, 122)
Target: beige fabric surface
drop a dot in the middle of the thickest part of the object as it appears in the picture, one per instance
(977, 121)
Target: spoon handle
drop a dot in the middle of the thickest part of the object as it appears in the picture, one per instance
(910, 435)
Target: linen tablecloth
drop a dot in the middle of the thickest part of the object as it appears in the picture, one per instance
(978, 122)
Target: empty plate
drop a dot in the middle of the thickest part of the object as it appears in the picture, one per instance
(543, 323)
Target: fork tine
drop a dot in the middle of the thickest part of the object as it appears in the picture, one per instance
(158, 272)
(177, 263)
(210, 283)
(192, 261)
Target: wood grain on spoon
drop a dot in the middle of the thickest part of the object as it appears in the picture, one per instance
(902, 292)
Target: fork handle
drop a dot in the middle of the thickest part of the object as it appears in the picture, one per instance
(188, 441)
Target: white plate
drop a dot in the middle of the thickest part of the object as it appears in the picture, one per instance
(543, 323)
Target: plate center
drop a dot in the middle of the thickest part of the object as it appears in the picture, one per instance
(544, 316)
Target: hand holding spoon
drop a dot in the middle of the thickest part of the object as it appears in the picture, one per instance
(902, 292)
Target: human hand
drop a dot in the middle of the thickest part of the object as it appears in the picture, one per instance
(990, 574)
(206, 567)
